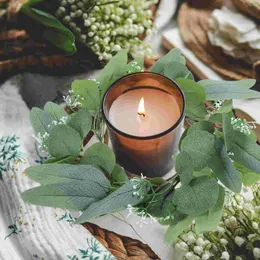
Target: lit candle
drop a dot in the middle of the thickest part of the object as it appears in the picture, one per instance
(144, 113)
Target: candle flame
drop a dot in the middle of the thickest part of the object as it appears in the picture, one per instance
(141, 109)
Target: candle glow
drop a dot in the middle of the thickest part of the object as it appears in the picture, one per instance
(141, 108)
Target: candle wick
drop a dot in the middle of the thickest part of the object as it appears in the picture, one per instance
(141, 114)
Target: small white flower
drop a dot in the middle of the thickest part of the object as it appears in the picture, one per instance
(256, 252)
(251, 236)
(191, 239)
(225, 255)
(200, 242)
(198, 250)
(223, 241)
(220, 229)
(117, 47)
(239, 241)
(255, 225)
(238, 258)
(205, 256)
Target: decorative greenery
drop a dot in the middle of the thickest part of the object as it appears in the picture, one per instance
(236, 236)
(217, 152)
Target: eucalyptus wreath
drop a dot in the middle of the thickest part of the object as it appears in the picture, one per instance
(218, 152)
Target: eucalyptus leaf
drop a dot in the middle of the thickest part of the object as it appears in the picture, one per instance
(173, 55)
(197, 197)
(81, 122)
(74, 195)
(246, 152)
(226, 107)
(55, 111)
(224, 169)
(115, 201)
(184, 167)
(89, 90)
(67, 159)
(211, 219)
(174, 70)
(64, 141)
(40, 120)
(217, 90)
(112, 71)
(201, 126)
(201, 147)
(228, 131)
(131, 66)
(247, 176)
(197, 113)
(31, 3)
(55, 173)
(118, 174)
(100, 155)
(53, 30)
(174, 231)
(204, 172)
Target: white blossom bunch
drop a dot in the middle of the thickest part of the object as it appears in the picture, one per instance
(108, 26)
(237, 236)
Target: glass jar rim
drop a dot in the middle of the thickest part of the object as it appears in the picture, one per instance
(175, 125)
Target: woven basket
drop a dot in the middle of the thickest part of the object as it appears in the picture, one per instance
(193, 24)
(19, 52)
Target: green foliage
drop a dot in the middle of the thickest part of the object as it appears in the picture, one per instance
(64, 141)
(81, 122)
(115, 201)
(67, 159)
(228, 131)
(174, 231)
(184, 167)
(173, 55)
(197, 197)
(54, 111)
(248, 177)
(226, 107)
(100, 155)
(174, 70)
(224, 169)
(217, 90)
(53, 31)
(89, 91)
(118, 174)
(40, 120)
(210, 219)
(201, 126)
(113, 71)
(56, 173)
(246, 152)
(201, 147)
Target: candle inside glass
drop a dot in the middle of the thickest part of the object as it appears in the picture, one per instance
(144, 141)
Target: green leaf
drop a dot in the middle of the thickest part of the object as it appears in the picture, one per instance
(197, 113)
(54, 31)
(173, 55)
(112, 71)
(217, 90)
(197, 197)
(89, 90)
(174, 231)
(100, 155)
(40, 120)
(228, 131)
(246, 152)
(157, 181)
(184, 167)
(226, 107)
(133, 64)
(115, 201)
(81, 122)
(55, 173)
(201, 126)
(118, 174)
(211, 219)
(74, 195)
(204, 172)
(201, 146)
(224, 169)
(174, 70)
(31, 3)
(247, 176)
(64, 141)
(67, 159)
(55, 111)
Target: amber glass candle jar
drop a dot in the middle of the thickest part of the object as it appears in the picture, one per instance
(144, 113)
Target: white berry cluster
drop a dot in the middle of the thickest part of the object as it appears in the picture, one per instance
(237, 236)
(109, 26)
(242, 125)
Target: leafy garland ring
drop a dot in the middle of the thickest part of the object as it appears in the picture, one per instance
(213, 148)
